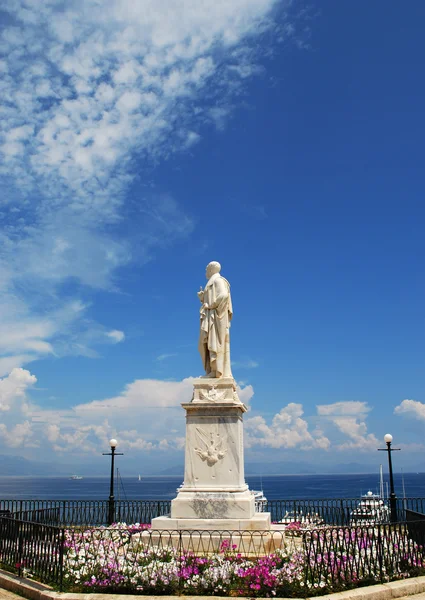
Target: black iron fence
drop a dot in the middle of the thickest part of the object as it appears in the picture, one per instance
(33, 548)
(416, 526)
(332, 511)
(250, 563)
(345, 555)
(85, 512)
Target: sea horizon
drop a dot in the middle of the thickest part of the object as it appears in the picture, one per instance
(315, 474)
(151, 487)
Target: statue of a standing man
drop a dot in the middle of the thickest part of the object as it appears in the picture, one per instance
(216, 314)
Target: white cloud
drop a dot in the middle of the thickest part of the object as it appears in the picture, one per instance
(180, 443)
(20, 435)
(116, 336)
(146, 416)
(13, 403)
(350, 419)
(141, 418)
(287, 430)
(52, 433)
(140, 395)
(101, 84)
(14, 387)
(162, 357)
(7, 364)
(246, 363)
(245, 392)
(132, 439)
(82, 439)
(66, 329)
(343, 408)
(114, 72)
(411, 408)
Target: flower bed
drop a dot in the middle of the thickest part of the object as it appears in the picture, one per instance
(105, 559)
(119, 558)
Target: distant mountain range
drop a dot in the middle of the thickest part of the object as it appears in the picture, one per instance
(285, 468)
(19, 466)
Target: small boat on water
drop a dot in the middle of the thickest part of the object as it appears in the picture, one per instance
(74, 477)
(260, 501)
(300, 517)
(140, 477)
(372, 508)
(370, 511)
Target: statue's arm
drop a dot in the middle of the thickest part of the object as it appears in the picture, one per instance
(222, 293)
(201, 295)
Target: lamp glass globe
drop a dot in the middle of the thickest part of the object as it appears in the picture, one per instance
(113, 443)
(388, 437)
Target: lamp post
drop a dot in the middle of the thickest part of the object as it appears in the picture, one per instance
(111, 504)
(388, 438)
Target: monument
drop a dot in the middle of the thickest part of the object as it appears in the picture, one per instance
(214, 495)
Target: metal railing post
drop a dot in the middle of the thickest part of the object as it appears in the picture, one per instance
(61, 557)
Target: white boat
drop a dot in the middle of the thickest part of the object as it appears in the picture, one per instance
(76, 477)
(372, 508)
(260, 501)
(370, 511)
(300, 517)
(140, 477)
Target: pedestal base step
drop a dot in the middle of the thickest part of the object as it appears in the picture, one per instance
(259, 522)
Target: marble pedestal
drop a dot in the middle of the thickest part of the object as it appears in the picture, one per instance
(214, 495)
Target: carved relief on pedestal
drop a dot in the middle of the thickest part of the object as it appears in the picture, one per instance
(211, 451)
(215, 391)
(212, 394)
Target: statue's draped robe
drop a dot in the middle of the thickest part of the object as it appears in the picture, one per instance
(214, 341)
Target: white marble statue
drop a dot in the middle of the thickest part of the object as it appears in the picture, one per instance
(216, 314)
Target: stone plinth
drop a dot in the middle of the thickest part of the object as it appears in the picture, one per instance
(213, 391)
(258, 522)
(214, 495)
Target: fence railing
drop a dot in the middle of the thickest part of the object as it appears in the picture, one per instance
(32, 547)
(250, 563)
(416, 526)
(332, 511)
(361, 554)
(85, 512)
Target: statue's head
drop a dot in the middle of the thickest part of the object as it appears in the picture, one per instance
(212, 267)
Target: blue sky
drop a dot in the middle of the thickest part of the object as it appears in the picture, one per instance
(138, 142)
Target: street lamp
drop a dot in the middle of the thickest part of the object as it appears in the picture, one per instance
(111, 504)
(388, 438)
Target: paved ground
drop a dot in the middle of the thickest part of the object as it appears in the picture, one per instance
(5, 595)
(377, 592)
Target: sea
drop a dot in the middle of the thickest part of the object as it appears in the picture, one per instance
(278, 487)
